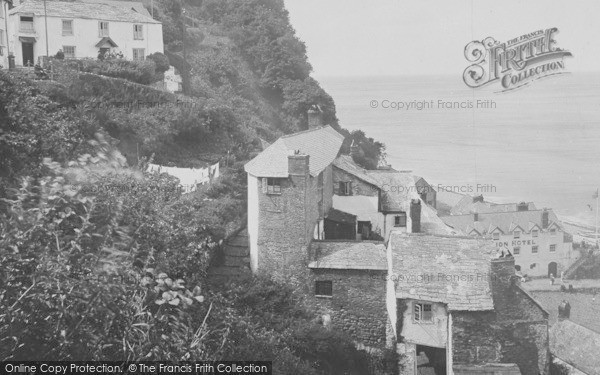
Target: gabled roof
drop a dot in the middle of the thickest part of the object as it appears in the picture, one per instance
(106, 40)
(397, 189)
(320, 144)
(446, 269)
(85, 10)
(576, 345)
(505, 221)
(345, 163)
(349, 255)
(466, 205)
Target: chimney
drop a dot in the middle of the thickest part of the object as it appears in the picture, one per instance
(564, 310)
(523, 206)
(298, 164)
(545, 218)
(353, 149)
(503, 276)
(315, 117)
(478, 198)
(415, 215)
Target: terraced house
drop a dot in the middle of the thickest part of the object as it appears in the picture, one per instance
(82, 29)
(534, 237)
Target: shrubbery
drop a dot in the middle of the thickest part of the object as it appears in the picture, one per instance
(143, 72)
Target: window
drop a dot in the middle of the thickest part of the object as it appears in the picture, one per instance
(1, 37)
(69, 52)
(400, 220)
(517, 234)
(67, 27)
(1, 9)
(26, 25)
(138, 54)
(272, 185)
(102, 29)
(553, 231)
(534, 249)
(422, 312)
(345, 188)
(552, 248)
(532, 266)
(324, 288)
(535, 233)
(496, 235)
(517, 250)
(517, 268)
(138, 32)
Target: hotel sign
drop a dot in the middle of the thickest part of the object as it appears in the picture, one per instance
(515, 243)
(514, 63)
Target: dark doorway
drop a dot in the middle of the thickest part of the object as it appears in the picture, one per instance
(339, 231)
(28, 54)
(364, 229)
(552, 269)
(430, 360)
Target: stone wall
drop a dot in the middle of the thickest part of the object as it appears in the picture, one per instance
(515, 332)
(357, 305)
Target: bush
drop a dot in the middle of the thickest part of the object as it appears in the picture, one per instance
(160, 60)
(143, 72)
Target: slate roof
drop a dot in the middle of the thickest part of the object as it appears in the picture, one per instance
(362, 255)
(95, 11)
(345, 163)
(321, 144)
(397, 189)
(341, 216)
(446, 269)
(467, 206)
(135, 5)
(505, 221)
(576, 345)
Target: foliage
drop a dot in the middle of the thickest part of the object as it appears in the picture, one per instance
(143, 72)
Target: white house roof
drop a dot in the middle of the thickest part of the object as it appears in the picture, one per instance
(135, 5)
(84, 10)
(321, 144)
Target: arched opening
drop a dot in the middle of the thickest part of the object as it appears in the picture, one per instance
(552, 269)
(517, 268)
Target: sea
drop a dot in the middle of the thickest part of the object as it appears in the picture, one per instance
(539, 143)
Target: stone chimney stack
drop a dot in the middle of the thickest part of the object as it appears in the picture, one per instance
(353, 149)
(523, 206)
(478, 198)
(298, 164)
(545, 218)
(315, 117)
(503, 276)
(564, 310)
(415, 215)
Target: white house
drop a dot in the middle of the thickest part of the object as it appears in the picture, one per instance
(82, 30)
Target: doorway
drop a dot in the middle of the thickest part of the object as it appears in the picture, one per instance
(552, 269)
(431, 360)
(27, 54)
(364, 229)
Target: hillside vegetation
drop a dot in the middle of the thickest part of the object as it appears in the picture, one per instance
(101, 260)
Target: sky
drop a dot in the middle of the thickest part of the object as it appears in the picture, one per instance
(427, 37)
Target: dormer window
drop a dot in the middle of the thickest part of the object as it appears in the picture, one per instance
(496, 235)
(345, 188)
(517, 234)
(535, 233)
(553, 232)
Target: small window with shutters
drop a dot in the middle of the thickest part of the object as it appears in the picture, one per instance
(423, 313)
(400, 220)
(345, 188)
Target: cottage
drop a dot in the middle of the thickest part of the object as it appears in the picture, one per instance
(456, 305)
(82, 29)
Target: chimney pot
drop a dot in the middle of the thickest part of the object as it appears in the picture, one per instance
(564, 310)
(298, 164)
(545, 218)
(415, 215)
(315, 117)
(478, 198)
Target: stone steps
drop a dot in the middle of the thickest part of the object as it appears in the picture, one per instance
(234, 261)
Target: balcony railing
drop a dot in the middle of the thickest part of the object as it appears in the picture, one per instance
(26, 27)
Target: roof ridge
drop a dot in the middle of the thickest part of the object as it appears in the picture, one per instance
(308, 131)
